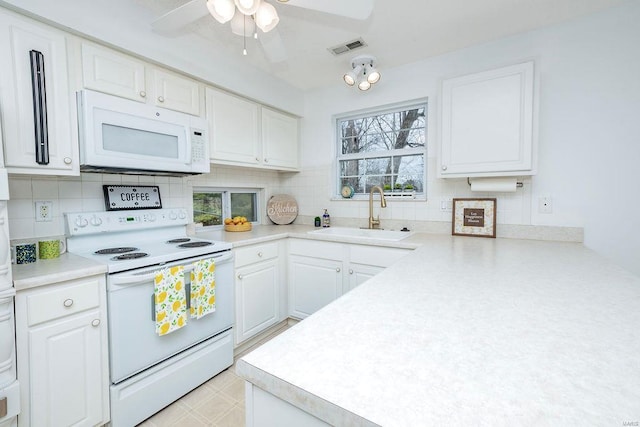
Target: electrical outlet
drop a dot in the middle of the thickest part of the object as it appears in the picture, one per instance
(544, 205)
(44, 211)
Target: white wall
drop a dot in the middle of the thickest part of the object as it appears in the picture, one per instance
(589, 131)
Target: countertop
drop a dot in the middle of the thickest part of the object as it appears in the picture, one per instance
(468, 330)
(44, 272)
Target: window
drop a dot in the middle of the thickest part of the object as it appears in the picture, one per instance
(212, 206)
(386, 147)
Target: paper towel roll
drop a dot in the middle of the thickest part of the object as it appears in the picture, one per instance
(505, 184)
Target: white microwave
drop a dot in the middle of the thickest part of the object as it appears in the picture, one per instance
(122, 136)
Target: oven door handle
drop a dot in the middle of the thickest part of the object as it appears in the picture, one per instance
(146, 277)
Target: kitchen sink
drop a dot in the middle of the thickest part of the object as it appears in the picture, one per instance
(364, 233)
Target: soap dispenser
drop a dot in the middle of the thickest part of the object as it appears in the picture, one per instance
(326, 220)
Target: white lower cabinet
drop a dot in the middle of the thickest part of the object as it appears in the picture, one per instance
(320, 272)
(61, 334)
(258, 289)
(313, 283)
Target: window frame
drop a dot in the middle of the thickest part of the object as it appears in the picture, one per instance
(359, 114)
(226, 202)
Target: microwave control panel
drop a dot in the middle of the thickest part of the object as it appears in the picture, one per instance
(198, 146)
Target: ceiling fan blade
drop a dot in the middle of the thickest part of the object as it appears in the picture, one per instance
(273, 46)
(181, 16)
(356, 9)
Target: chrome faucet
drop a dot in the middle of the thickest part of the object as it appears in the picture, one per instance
(375, 222)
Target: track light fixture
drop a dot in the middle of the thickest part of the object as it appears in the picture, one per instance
(363, 72)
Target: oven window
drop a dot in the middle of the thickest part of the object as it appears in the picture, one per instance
(212, 206)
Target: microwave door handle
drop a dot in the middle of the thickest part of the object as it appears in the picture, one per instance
(39, 98)
(189, 154)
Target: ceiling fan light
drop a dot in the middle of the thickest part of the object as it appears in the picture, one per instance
(242, 25)
(247, 7)
(373, 76)
(266, 17)
(221, 10)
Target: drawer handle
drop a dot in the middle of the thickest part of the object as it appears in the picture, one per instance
(95, 322)
(338, 270)
(68, 302)
(260, 254)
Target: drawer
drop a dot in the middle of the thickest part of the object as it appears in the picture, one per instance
(316, 249)
(63, 300)
(256, 253)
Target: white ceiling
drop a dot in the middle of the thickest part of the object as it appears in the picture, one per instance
(397, 32)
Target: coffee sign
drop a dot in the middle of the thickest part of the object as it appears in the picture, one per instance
(121, 197)
(282, 209)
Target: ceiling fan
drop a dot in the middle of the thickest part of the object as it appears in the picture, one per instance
(246, 15)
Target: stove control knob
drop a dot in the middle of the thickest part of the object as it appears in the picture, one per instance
(81, 222)
(182, 214)
(96, 221)
(173, 216)
(151, 217)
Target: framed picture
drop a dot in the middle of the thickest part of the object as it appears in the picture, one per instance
(474, 217)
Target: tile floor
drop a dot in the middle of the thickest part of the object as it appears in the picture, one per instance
(217, 403)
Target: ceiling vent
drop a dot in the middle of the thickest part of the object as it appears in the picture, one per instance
(347, 47)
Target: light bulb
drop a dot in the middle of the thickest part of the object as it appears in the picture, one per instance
(221, 10)
(351, 77)
(373, 76)
(266, 17)
(247, 7)
(364, 85)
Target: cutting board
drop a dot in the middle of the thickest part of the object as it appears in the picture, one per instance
(282, 209)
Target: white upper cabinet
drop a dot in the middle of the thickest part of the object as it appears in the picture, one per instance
(233, 128)
(280, 139)
(112, 72)
(487, 123)
(245, 133)
(51, 147)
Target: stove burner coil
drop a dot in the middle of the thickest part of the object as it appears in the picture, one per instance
(111, 251)
(194, 244)
(181, 240)
(127, 256)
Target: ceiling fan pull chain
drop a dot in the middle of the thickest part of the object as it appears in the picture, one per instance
(244, 35)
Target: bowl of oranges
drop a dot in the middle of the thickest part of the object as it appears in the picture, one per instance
(237, 223)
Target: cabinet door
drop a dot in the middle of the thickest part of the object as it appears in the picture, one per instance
(176, 92)
(279, 140)
(65, 362)
(234, 129)
(313, 283)
(359, 273)
(19, 36)
(107, 71)
(487, 123)
(257, 294)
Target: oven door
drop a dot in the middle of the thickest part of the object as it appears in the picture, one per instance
(133, 342)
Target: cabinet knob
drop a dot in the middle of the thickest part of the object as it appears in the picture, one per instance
(266, 160)
(143, 94)
(68, 302)
(260, 254)
(350, 271)
(338, 270)
(160, 99)
(240, 276)
(67, 160)
(95, 322)
(257, 159)
(444, 167)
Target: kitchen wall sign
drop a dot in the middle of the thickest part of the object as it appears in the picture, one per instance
(282, 209)
(127, 197)
(474, 217)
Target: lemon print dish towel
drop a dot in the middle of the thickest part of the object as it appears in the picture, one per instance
(203, 288)
(171, 300)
